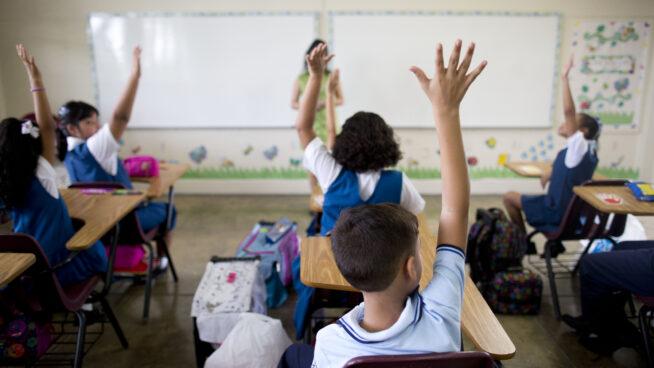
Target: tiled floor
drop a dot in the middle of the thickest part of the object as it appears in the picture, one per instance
(214, 225)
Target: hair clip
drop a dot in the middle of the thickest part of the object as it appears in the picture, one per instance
(63, 111)
(28, 127)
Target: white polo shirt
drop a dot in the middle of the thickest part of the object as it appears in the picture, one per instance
(429, 323)
(103, 147)
(322, 164)
(577, 146)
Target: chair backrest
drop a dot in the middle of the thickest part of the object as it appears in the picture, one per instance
(46, 284)
(462, 359)
(130, 227)
(594, 221)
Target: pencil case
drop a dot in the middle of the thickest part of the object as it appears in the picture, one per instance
(141, 166)
(643, 191)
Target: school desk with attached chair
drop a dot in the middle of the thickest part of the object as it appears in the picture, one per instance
(536, 168)
(318, 269)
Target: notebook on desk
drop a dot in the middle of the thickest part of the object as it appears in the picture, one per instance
(643, 191)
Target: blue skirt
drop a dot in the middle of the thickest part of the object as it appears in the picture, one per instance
(539, 214)
(153, 215)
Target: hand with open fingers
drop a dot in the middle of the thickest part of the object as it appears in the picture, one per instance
(136, 61)
(569, 66)
(28, 61)
(332, 82)
(449, 85)
(317, 60)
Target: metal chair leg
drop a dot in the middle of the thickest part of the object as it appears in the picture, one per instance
(148, 282)
(114, 322)
(164, 246)
(550, 276)
(81, 334)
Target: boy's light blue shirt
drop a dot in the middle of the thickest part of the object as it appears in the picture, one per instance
(430, 321)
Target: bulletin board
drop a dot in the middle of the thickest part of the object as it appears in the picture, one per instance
(608, 78)
(202, 70)
(374, 51)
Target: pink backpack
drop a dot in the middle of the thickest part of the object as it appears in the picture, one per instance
(141, 166)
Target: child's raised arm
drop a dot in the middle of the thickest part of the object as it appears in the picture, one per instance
(569, 112)
(316, 63)
(42, 110)
(332, 87)
(123, 110)
(445, 92)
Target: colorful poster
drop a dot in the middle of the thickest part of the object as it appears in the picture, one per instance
(609, 74)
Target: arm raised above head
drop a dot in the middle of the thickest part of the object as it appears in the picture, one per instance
(123, 110)
(569, 112)
(47, 125)
(445, 92)
(316, 61)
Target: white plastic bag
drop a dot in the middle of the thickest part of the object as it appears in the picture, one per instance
(255, 341)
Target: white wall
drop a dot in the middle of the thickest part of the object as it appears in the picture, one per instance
(55, 31)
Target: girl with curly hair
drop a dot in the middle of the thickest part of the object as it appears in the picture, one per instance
(28, 185)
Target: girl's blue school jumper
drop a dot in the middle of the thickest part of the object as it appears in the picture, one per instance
(47, 220)
(342, 193)
(545, 212)
(82, 166)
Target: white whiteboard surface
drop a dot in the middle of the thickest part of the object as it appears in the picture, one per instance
(199, 70)
(375, 50)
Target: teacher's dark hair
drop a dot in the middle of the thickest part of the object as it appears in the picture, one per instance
(315, 43)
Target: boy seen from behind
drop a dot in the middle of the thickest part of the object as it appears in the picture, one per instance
(376, 248)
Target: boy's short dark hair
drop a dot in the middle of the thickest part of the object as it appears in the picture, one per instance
(590, 123)
(366, 143)
(371, 242)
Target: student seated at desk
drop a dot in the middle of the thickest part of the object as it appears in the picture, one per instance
(604, 278)
(376, 248)
(28, 186)
(353, 173)
(93, 149)
(573, 165)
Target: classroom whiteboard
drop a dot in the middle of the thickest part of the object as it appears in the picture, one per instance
(375, 50)
(202, 70)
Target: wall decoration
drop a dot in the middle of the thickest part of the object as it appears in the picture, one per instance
(248, 150)
(198, 154)
(491, 142)
(271, 153)
(502, 159)
(472, 161)
(413, 163)
(295, 162)
(609, 73)
(136, 150)
(225, 163)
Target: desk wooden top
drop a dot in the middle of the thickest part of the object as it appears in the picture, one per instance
(478, 322)
(13, 265)
(168, 174)
(614, 199)
(100, 212)
(315, 203)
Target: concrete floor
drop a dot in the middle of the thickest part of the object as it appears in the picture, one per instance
(215, 225)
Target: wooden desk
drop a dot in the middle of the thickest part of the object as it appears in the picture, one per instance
(535, 169)
(630, 204)
(168, 174)
(13, 265)
(100, 212)
(315, 202)
(478, 322)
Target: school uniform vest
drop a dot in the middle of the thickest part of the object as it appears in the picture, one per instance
(564, 178)
(47, 220)
(82, 166)
(344, 193)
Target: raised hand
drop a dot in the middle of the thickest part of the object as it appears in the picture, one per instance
(568, 66)
(332, 81)
(317, 60)
(136, 61)
(448, 86)
(30, 66)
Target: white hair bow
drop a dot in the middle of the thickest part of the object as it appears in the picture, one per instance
(27, 127)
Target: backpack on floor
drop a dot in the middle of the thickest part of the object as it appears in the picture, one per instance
(494, 245)
(514, 292)
(276, 257)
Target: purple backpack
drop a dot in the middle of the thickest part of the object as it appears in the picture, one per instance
(514, 292)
